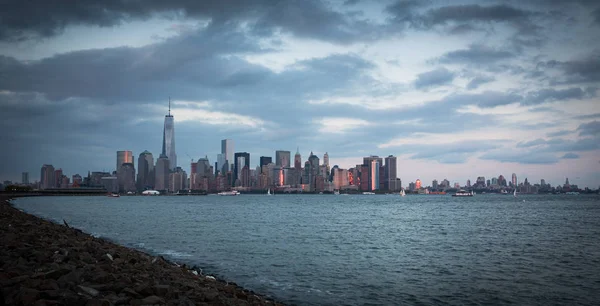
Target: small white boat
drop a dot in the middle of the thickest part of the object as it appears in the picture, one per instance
(113, 195)
(229, 193)
(515, 193)
(150, 192)
(368, 192)
(269, 191)
(463, 193)
(336, 192)
(402, 193)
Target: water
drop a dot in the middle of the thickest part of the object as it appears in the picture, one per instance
(364, 250)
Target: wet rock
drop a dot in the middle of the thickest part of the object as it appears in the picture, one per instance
(161, 290)
(71, 278)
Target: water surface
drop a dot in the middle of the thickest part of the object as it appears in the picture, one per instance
(364, 249)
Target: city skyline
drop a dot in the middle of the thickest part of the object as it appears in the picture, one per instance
(453, 90)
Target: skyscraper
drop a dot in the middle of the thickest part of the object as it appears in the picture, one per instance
(145, 175)
(123, 157)
(265, 160)
(374, 174)
(47, 177)
(25, 178)
(227, 151)
(168, 145)
(390, 171)
(161, 171)
(126, 177)
(514, 180)
(241, 159)
(282, 158)
(326, 159)
(298, 160)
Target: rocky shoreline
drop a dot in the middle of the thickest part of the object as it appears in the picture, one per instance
(43, 263)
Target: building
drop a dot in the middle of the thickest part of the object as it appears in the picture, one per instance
(145, 171)
(123, 157)
(514, 180)
(265, 160)
(227, 151)
(222, 166)
(469, 183)
(368, 168)
(282, 158)
(58, 173)
(390, 171)
(434, 184)
(110, 183)
(298, 160)
(126, 178)
(77, 180)
(374, 174)
(177, 180)
(161, 173)
(25, 178)
(326, 159)
(168, 144)
(95, 178)
(418, 184)
(312, 169)
(241, 159)
(501, 180)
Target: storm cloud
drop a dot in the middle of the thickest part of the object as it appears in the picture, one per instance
(485, 85)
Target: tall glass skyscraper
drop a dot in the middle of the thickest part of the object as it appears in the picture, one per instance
(227, 151)
(168, 145)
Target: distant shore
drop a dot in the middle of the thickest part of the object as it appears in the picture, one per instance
(44, 263)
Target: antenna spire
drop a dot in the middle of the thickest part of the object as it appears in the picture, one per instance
(169, 106)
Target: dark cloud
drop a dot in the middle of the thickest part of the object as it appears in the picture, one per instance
(527, 157)
(311, 18)
(570, 156)
(585, 70)
(437, 77)
(478, 81)
(596, 15)
(552, 95)
(559, 133)
(404, 10)
(451, 153)
(475, 54)
(588, 116)
(473, 12)
(589, 129)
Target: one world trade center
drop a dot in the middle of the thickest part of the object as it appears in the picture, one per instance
(168, 145)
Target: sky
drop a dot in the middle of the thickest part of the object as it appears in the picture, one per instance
(454, 89)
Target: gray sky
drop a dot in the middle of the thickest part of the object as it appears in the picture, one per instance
(455, 89)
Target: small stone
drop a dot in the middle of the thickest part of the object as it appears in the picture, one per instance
(109, 257)
(28, 296)
(212, 278)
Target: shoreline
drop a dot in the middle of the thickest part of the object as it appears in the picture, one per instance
(45, 263)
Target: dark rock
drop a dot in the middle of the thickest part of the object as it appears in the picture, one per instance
(71, 278)
(88, 291)
(161, 290)
(131, 292)
(97, 302)
(49, 284)
(144, 290)
(28, 296)
(210, 296)
(184, 301)
(153, 300)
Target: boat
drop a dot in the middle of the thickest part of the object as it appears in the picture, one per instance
(368, 192)
(113, 195)
(336, 192)
(463, 193)
(229, 193)
(402, 193)
(150, 192)
(269, 191)
(572, 193)
(515, 193)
